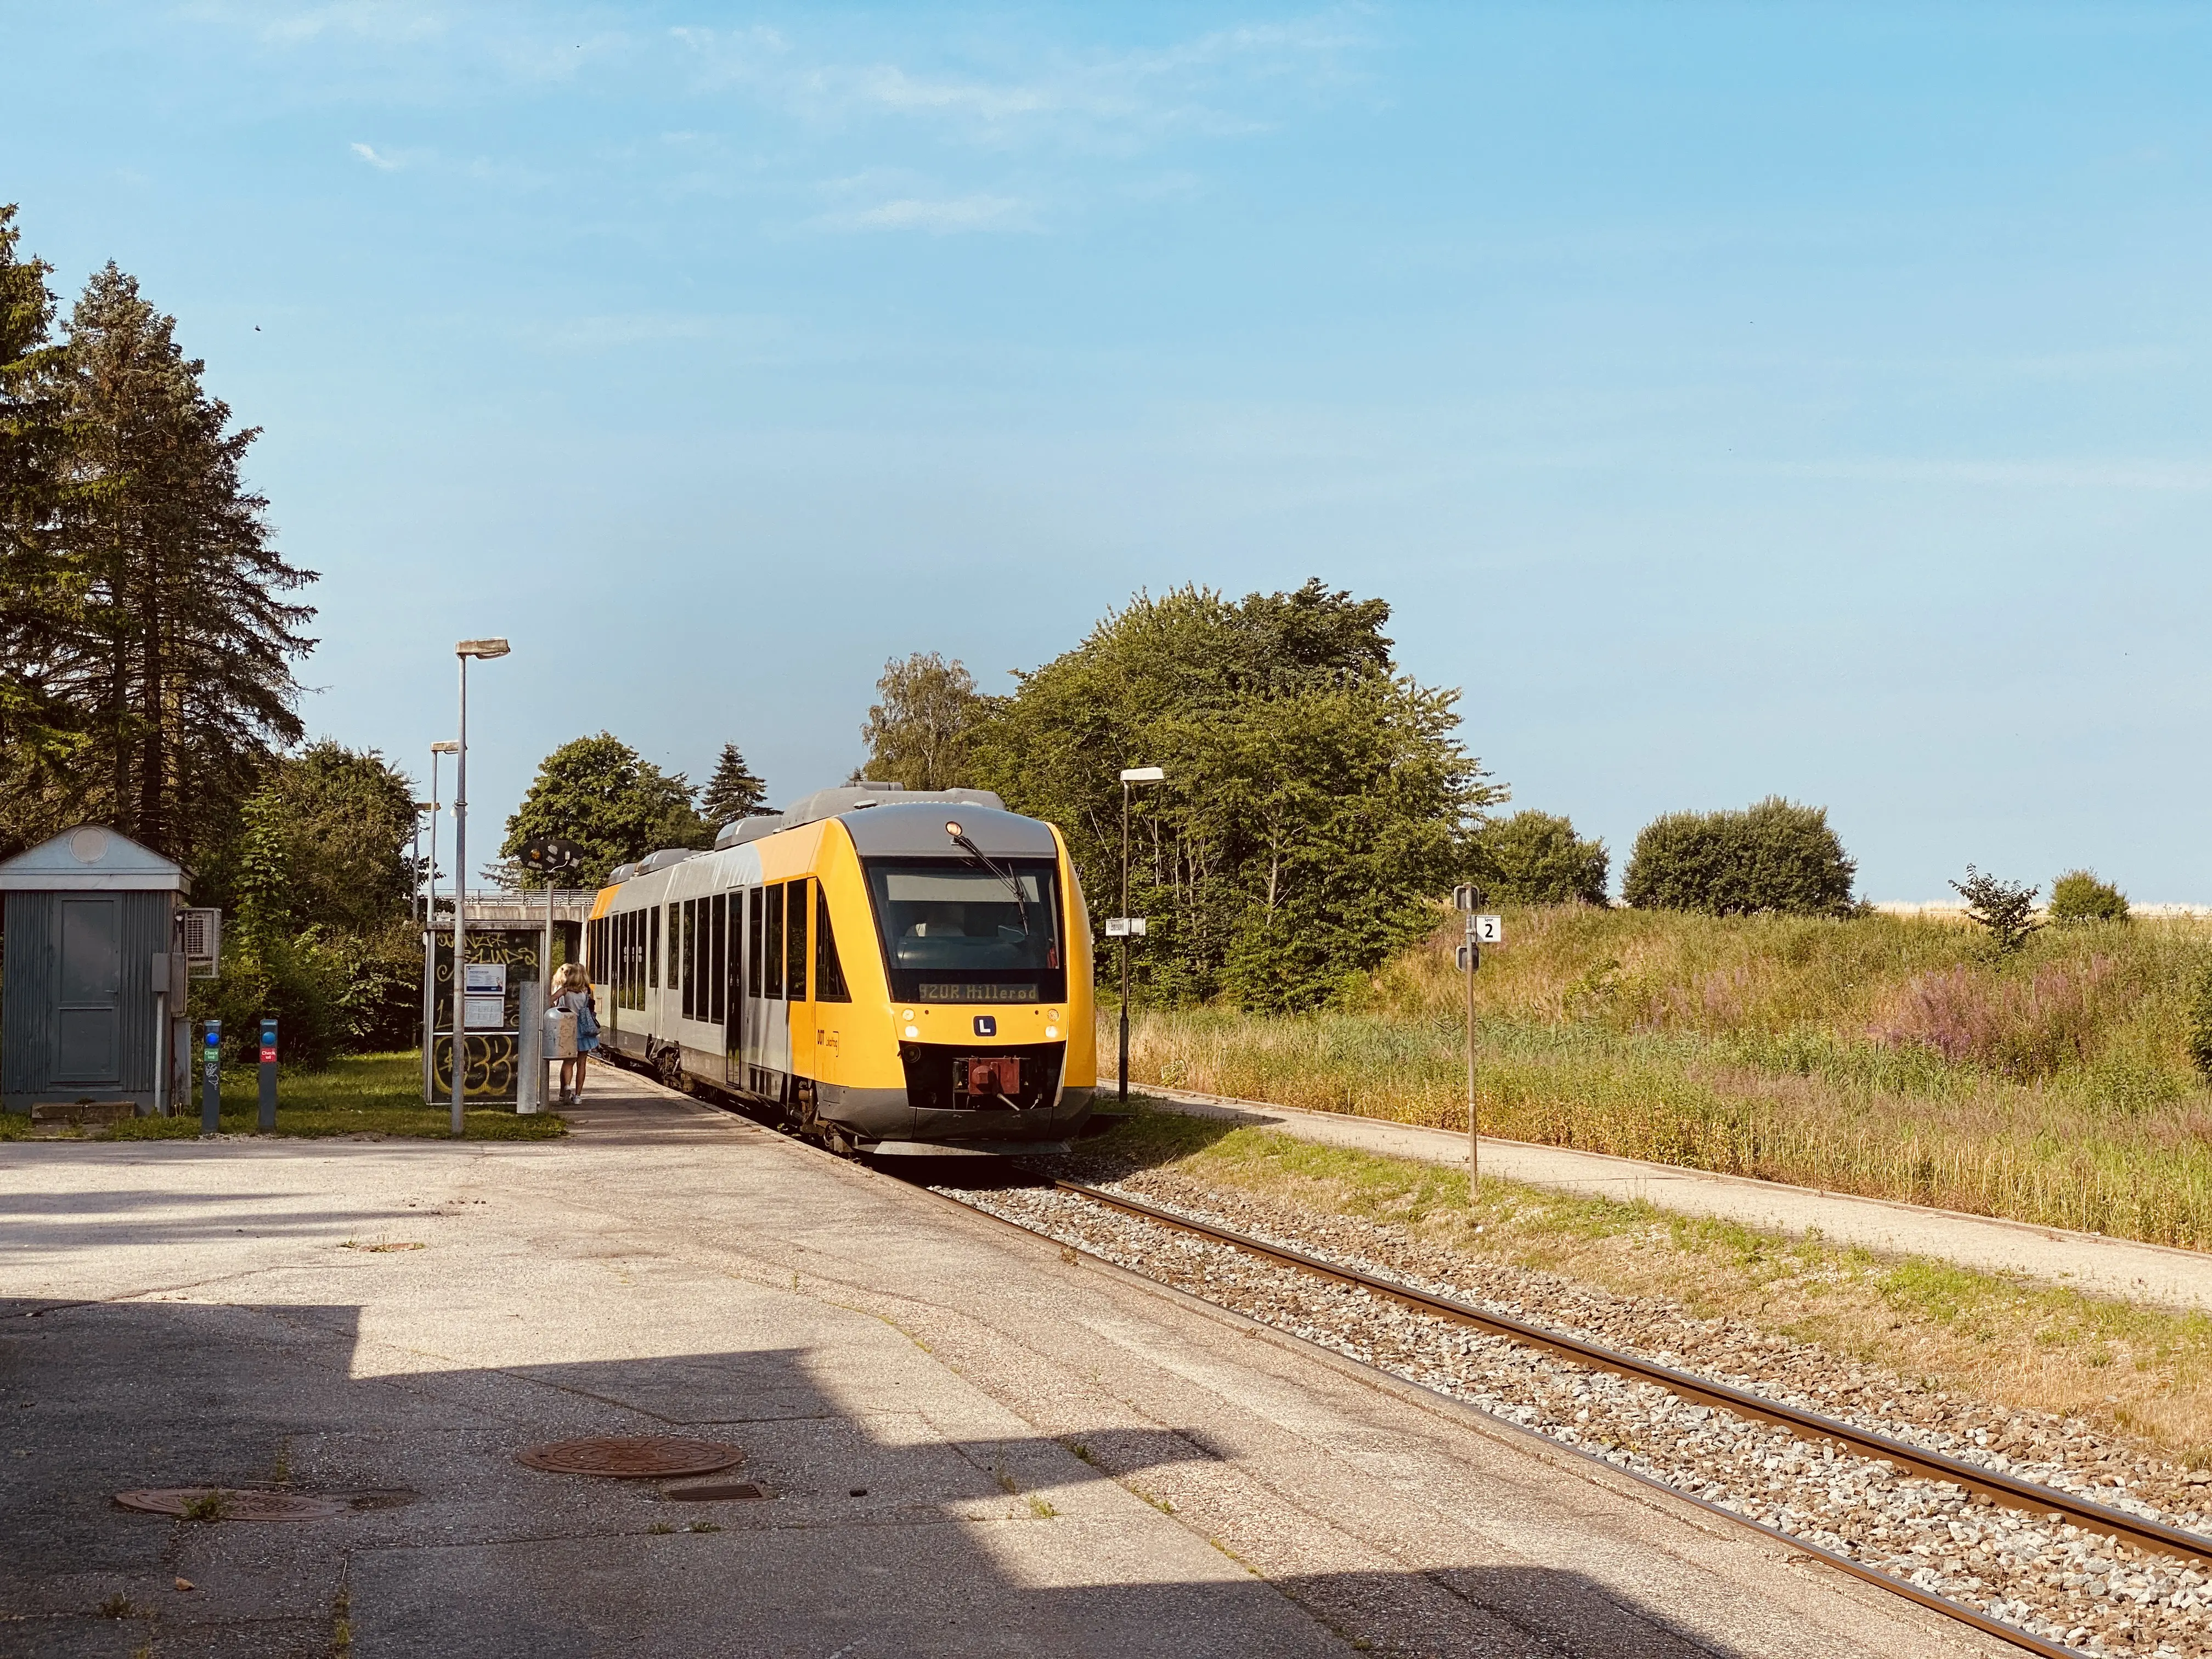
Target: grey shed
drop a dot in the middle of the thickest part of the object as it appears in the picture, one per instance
(87, 913)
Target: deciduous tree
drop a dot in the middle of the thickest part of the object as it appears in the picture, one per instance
(920, 733)
(600, 794)
(1317, 802)
(1537, 857)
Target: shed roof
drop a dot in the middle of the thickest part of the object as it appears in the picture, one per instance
(92, 857)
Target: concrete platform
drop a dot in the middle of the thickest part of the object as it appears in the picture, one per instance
(976, 1444)
(2117, 1268)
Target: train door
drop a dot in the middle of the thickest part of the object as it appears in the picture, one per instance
(653, 1023)
(797, 980)
(832, 999)
(775, 1024)
(735, 992)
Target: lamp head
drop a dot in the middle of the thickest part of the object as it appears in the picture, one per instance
(426, 806)
(1144, 775)
(482, 648)
(448, 747)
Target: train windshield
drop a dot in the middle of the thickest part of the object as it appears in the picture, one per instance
(955, 930)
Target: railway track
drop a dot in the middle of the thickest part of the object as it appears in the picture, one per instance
(2051, 1508)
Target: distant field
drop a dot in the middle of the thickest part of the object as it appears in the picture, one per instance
(362, 1094)
(1883, 1055)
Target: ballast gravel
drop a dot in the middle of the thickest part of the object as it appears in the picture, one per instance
(2051, 1579)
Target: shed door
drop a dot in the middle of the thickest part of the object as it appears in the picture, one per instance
(91, 1021)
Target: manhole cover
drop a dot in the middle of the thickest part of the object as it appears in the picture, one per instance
(221, 1503)
(632, 1456)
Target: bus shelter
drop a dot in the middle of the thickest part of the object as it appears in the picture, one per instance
(506, 973)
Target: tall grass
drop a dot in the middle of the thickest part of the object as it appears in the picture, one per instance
(1880, 1056)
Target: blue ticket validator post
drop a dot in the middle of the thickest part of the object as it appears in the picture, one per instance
(211, 1078)
(267, 1119)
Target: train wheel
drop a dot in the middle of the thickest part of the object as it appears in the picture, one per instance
(668, 1068)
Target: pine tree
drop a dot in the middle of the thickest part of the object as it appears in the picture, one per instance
(39, 733)
(733, 792)
(177, 658)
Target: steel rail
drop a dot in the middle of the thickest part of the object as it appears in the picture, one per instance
(1957, 1612)
(2014, 1494)
(2023, 1495)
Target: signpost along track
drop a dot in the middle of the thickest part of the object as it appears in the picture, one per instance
(1481, 930)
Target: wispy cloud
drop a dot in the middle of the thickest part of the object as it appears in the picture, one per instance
(1096, 101)
(381, 163)
(940, 215)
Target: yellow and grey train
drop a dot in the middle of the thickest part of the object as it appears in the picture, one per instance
(891, 971)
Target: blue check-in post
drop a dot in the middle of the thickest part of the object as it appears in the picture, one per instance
(211, 1078)
(268, 1118)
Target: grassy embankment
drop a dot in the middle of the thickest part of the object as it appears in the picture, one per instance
(1879, 1054)
(362, 1094)
(2141, 1371)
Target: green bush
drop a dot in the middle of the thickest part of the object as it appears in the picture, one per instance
(2200, 1024)
(1776, 856)
(2078, 895)
(1534, 858)
(330, 994)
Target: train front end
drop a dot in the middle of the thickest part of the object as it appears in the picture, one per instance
(979, 1035)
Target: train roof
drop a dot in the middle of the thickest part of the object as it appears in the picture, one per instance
(883, 819)
(842, 802)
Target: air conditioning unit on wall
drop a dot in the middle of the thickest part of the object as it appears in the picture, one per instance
(199, 935)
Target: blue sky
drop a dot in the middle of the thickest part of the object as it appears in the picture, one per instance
(1732, 399)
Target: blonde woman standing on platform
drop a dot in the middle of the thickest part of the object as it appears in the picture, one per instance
(574, 996)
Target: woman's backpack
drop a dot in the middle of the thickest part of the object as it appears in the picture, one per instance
(587, 1022)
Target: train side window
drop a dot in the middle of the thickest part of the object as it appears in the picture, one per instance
(680, 968)
(692, 958)
(652, 948)
(828, 972)
(794, 942)
(753, 942)
(737, 968)
(772, 945)
(718, 971)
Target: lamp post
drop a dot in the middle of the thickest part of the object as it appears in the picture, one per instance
(484, 649)
(438, 751)
(1130, 775)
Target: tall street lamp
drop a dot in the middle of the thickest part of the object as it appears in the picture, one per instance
(1130, 776)
(484, 649)
(438, 752)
